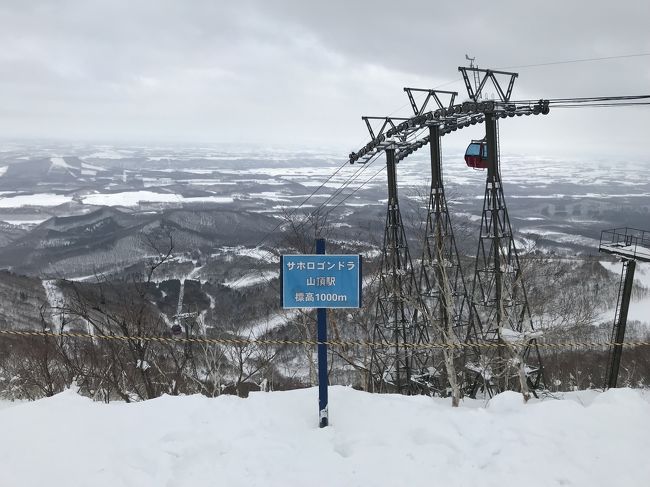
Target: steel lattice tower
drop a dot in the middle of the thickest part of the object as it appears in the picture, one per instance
(394, 365)
(630, 245)
(441, 282)
(498, 291)
(411, 312)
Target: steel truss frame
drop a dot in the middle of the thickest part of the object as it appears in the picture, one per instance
(394, 366)
(498, 291)
(443, 293)
(389, 123)
(450, 119)
(431, 95)
(487, 74)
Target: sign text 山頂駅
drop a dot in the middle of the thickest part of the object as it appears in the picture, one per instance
(321, 281)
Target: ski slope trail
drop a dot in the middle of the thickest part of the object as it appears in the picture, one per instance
(55, 300)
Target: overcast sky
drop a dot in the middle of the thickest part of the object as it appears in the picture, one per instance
(303, 72)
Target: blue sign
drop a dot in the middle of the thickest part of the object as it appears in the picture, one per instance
(320, 281)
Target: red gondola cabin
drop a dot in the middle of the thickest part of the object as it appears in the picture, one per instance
(476, 154)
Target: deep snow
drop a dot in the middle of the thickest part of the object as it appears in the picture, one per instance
(272, 439)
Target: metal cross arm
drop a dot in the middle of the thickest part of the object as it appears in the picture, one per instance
(487, 74)
(451, 119)
(388, 123)
(430, 94)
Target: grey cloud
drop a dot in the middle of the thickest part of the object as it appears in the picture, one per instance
(303, 71)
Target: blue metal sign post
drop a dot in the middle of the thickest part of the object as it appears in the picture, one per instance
(321, 334)
(321, 281)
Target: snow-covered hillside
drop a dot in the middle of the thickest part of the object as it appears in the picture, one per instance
(271, 439)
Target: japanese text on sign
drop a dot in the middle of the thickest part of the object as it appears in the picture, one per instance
(321, 281)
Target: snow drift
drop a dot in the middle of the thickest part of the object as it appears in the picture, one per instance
(272, 439)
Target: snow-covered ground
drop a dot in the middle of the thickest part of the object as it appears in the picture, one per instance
(44, 199)
(55, 300)
(254, 253)
(272, 439)
(135, 198)
(252, 279)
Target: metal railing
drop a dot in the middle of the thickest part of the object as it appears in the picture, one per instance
(627, 242)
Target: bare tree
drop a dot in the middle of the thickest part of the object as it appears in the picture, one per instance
(139, 369)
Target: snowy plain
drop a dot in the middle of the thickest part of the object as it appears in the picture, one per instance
(135, 198)
(43, 199)
(271, 439)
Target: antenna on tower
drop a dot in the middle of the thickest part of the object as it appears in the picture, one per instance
(477, 81)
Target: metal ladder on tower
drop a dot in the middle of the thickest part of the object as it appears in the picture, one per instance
(620, 322)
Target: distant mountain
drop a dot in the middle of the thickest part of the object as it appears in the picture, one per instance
(9, 233)
(85, 222)
(109, 240)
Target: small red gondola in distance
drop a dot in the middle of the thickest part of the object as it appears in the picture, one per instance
(476, 154)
